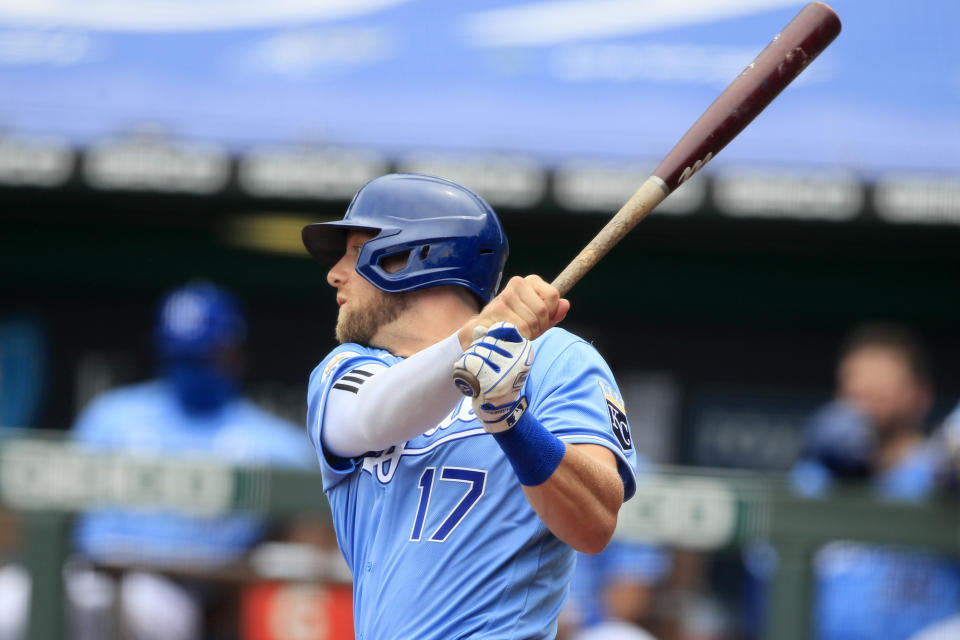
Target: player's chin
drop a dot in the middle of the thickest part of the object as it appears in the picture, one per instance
(342, 329)
(354, 327)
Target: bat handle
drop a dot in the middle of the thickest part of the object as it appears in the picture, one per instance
(641, 203)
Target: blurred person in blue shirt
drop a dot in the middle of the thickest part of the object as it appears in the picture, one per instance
(612, 592)
(613, 589)
(947, 439)
(873, 432)
(193, 408)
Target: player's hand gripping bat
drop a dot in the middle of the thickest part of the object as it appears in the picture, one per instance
(802, 40)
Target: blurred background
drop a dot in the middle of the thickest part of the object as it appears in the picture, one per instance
(147, 144)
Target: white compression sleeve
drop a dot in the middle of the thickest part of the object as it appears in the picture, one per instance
(393, 405)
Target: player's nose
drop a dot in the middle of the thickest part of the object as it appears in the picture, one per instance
(337, 274)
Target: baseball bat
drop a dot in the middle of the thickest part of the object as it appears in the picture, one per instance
(795, 47)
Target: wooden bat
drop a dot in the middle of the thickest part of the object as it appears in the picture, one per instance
(795, 47)
(802, 40)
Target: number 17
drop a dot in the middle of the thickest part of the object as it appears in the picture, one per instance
(476, 478)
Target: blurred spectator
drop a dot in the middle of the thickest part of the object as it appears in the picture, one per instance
(611, 592)
(874, 431)
(194, 407)
(690, 606)
(947, 438)
(613, 630)
(875, 426)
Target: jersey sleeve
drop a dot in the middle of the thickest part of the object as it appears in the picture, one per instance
(573, 394)
(333, 374)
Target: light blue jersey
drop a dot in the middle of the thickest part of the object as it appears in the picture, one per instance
(440, 537)
(147, 418)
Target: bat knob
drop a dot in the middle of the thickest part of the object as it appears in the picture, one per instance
(467, 383)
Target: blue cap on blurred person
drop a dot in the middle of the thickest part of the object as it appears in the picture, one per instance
(195, 324)
(196, 320)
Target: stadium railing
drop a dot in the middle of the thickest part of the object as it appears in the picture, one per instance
(47, 480)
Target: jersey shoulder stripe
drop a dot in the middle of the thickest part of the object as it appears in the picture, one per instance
(351, 380)
(343, 370)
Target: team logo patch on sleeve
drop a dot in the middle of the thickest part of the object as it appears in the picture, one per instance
(334, 361)
(618, 416)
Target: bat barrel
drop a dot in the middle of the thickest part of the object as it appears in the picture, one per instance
(795, 47)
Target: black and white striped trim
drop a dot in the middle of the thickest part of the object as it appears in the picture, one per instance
(352, 380)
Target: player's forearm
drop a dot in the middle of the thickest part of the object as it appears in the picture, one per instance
(397, 403)
(580, 500)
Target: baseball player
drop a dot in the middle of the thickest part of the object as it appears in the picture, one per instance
(194, 407)
(459, 516)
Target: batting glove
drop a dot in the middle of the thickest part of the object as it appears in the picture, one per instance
(492, 371)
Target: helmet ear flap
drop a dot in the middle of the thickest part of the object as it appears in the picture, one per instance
(395, 262)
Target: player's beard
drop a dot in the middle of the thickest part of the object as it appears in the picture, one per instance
(361, 325)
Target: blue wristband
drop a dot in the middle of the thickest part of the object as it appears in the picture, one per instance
(533, 451)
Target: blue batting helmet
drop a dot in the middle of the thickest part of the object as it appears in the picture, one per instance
(451, 235)
(193, 321)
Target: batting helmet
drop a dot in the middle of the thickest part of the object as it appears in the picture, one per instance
(449, 233)
(193, 321)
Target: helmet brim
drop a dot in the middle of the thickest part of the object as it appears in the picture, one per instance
(326, 241)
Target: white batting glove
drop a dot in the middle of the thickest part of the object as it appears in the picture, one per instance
(492, 371)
